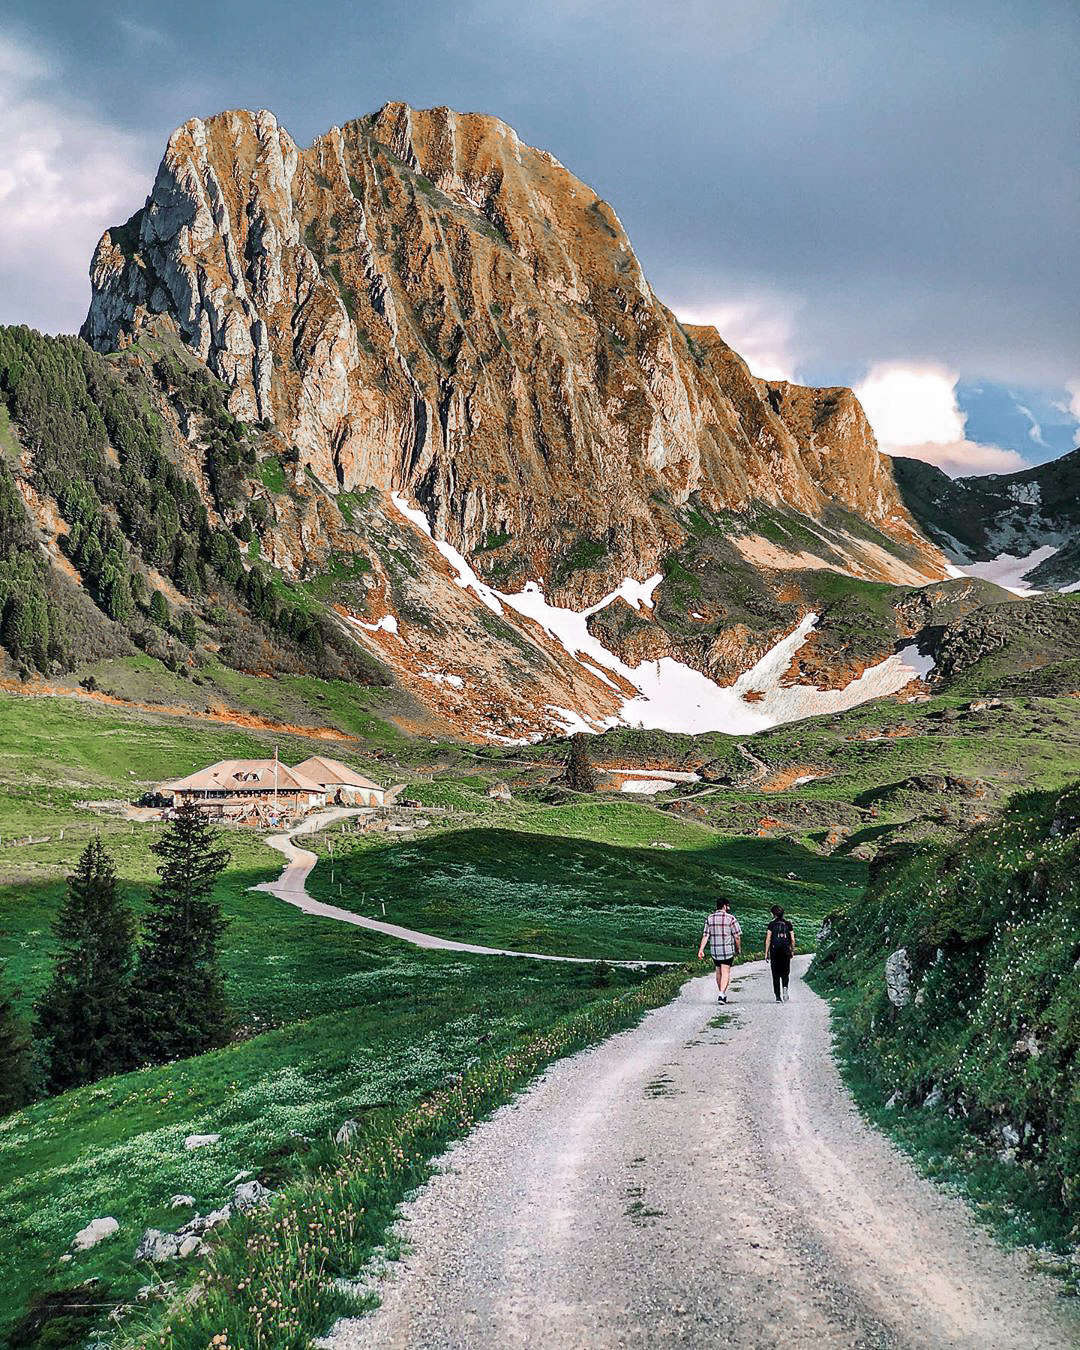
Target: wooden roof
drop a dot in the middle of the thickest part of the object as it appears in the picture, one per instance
(326, 771)
(244, 775)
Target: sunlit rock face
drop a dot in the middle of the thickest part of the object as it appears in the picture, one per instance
(423, 303)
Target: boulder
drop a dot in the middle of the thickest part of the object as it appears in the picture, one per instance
(182, 1202)
(893, 1102)
(94, 1232)
(200, 1140)
(932, 1100)
(252, 1195)
(189, 1246)
(156, 1246)
(202, 1223)
(898, 978)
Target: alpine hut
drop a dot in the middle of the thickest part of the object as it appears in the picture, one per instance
(341, 784)
(247, 788)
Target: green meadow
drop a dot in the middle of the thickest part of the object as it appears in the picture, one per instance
(331, 1022)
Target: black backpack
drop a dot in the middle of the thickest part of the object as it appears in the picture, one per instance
(781, 938)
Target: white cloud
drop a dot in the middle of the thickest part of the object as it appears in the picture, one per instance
(761, 329)
(64, 177)
(1073, 387)
(914, 412)
(963, 457)
(1034, 427)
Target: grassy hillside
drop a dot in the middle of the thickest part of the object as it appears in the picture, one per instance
(976, 1070)
(616, 879)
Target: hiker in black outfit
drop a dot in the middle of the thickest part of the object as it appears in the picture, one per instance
(779, 949)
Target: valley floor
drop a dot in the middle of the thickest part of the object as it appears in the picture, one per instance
(695, 1180)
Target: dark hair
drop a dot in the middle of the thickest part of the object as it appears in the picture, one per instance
(721, 901)
(778, 911)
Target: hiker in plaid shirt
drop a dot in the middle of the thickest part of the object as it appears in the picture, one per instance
(723, 936)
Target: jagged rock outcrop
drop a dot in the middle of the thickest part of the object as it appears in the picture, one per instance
(421, 302)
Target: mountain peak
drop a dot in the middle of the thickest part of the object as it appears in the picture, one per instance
(422, 302)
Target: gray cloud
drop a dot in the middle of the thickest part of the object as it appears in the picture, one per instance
(878, 182)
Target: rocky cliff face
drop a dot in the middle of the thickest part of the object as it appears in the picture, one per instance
(422, 303)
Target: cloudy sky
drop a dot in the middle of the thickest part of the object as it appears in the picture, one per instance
(881, 193)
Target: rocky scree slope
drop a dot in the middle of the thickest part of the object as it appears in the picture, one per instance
(137, 512)
(975, 520)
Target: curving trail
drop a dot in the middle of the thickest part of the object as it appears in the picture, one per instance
(291, 887)
(684, 1184)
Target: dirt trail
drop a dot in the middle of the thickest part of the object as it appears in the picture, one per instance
(687, 1184)
(291, 888)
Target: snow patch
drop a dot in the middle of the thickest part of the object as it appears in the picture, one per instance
(648, 782)
(440, 677)
(387, 624)
(466, 578)
(1006, 570)
(672, 696)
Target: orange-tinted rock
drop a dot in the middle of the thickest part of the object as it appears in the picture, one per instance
(422, 302)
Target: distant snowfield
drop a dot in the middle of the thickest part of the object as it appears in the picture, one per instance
(1006, 570)
(672, 696)
(648, 782)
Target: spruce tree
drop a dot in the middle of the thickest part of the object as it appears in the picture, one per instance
(14, 1058)
(179, 989)
(579, 775)
(159, 609)
(84, 1015)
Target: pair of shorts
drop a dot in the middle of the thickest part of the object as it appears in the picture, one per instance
(719, 961)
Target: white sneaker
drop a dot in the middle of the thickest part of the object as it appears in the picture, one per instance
(785, 994)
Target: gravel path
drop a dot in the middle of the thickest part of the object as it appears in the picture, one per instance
(291, 887)
(690, 1185)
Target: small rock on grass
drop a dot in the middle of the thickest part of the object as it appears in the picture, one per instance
(898, 978)
(154, 1245)
(94, 1232)
(202, 1223)
(182, 1202)
(200, 1140)
(348, 1129)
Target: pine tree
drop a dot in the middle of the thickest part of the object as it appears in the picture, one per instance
(159, 609)
(179, 988)
(84, 1016)
(579, 775)
(14, 1058)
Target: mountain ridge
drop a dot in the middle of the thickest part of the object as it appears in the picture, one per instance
(975, 520)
